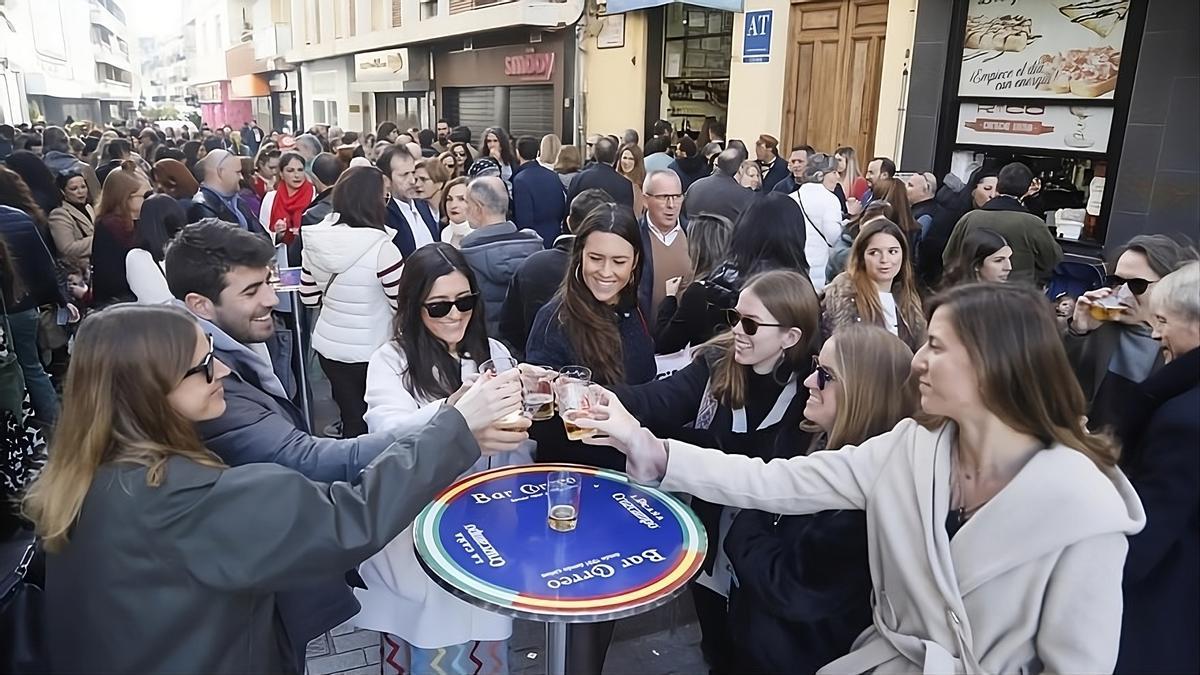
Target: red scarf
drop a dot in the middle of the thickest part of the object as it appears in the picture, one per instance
(289, 207)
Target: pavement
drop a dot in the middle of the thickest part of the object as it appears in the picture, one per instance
(664, 641)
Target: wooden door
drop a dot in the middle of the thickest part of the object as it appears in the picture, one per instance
(834, 65)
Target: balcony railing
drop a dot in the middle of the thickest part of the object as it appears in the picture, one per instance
(459, 6)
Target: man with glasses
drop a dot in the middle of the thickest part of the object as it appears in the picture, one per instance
(664, 242)
(1112, 356)
(602, 175)
(1035, 251)
(218, 194)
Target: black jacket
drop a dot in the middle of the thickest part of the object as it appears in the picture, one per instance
(690, 170)
(777, 172)
(717, 194)
(699, 312)
(208, 204)
(1107, 393)
(1160, 437)
(604, 177)
(538, 201)
(33, 262)
(534, 284)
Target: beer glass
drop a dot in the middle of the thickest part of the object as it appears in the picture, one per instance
(572, 396)
(562, 500)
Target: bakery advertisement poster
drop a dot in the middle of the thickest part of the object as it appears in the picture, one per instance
(1068, 49)
(1055, 127)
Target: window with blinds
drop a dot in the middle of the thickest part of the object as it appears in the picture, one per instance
(471, 107)
(396, 15)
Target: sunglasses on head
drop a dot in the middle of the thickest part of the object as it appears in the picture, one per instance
(441, 308)
(1136, 286)
(749, 326)
(205, 366)
(824, 375)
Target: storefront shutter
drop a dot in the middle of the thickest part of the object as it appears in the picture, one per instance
(531, 110)
(472, 107)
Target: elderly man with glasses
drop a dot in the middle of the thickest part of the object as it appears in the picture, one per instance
(664, 241)
(218, 194)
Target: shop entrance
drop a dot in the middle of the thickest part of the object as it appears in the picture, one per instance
(525, 110)
(834, 66)
(403, 109)
(697, 45)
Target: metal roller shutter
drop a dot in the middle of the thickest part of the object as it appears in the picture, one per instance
(531, 110)
(472, 107)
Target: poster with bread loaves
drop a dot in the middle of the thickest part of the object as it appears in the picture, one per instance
(1069, 49)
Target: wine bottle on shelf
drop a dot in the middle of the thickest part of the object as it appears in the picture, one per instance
(1091, 215)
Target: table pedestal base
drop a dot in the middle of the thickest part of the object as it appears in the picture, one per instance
(556, 649)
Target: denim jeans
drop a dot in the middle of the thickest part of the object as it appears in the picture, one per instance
(37, 382)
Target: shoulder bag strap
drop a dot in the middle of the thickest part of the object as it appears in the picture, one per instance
(808, 221)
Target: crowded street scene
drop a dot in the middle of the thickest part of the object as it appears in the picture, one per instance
(599, 337)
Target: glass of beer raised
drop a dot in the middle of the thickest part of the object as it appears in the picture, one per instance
(497, 366)
(572, 396)
(562, 500)
(537, 384)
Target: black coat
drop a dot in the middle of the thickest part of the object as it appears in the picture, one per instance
(538, 201)
(1160, 436)
(717, 194)
(32, 260)
(604, 177)
(690, 170)
(777, 172)
(699, 311)
(534, 284)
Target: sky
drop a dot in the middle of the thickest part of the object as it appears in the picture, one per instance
(152, 18)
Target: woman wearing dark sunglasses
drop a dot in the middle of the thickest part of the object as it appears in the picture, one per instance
(799, 621)
(200, 544)
(1112, 357)
(742, 394)
(440, 330)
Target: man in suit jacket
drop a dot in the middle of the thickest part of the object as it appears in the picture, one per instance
(218, 195)
(601, 174)
(220, 274)
(774, 168)
(410, 217)
(539, 203)
(719, 194)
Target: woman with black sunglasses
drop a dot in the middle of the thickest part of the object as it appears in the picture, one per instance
(742, 394)
(810, 614)
(440, 331)
(1112, 356)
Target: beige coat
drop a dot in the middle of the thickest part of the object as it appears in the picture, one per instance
(1031, 583)
(72, 232)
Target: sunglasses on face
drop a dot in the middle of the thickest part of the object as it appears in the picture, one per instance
(749, 326)
(1136, 286)
(205, 366)
(824, 375)
(441, 308)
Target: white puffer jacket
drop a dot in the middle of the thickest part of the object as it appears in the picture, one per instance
(356, 310)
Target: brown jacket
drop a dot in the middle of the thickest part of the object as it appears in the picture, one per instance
(72, 230)
(839, 307)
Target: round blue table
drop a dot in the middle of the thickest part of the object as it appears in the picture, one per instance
(486, 539)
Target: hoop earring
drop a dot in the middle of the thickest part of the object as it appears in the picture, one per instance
(579, 274)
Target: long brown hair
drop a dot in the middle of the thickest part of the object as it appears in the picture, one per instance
(120, 184)
(904, 286)
(873, 368)
(1024, 376)
(127, 359)
(638, 175)
(790, 297)
(591, 326)
(895, 193)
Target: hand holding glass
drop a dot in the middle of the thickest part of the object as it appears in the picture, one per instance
(574, 398)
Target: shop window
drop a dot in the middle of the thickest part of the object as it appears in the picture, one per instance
(325, 112)
(697, 49)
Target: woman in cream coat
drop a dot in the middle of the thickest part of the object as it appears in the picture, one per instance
(440, 326)
(996, 528)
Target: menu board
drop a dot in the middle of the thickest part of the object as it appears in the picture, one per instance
(1081, 128)
(1069, 49)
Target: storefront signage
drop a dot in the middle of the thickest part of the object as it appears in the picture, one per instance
(612, 32)
(487, 537)
(1057, 127)
(390, 64)
(534, 66)
(1067, 49)
(756, 43)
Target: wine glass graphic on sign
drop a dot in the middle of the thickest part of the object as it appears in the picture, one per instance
(1078, 138)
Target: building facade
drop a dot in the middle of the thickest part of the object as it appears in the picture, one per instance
(57, 62)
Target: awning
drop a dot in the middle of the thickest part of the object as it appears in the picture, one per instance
(622, 6)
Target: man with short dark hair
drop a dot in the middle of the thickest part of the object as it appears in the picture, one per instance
(630, 137)
(1035, 252)
(461, 134)
(221, 274)
(658, 157)
(538, 200)
(411, 218)
(7, 135)
(496, 247)
(443, 135)
(540, 275)
(797, 162)
(602, 175)
(771, 165)
(221, 173)
(720, 193)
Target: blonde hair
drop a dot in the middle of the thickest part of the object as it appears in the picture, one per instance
(873, 368)
(126, 360)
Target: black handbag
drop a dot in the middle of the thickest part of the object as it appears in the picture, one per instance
(22, 606)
